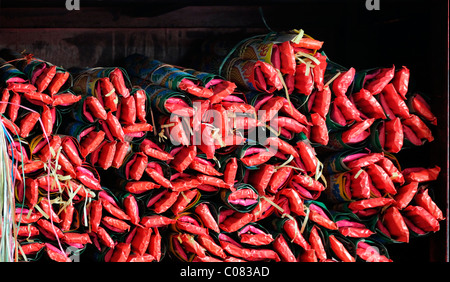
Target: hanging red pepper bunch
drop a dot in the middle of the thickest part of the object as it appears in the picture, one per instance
(53, 185)
(109, 117)
(33, 95)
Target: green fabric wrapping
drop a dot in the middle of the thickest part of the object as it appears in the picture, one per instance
(30, 65)
(376, 245)
(243, 209)
(9, 71)
(158, 95)
(156, 72)
(85, 82)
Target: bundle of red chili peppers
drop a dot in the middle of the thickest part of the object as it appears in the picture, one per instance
(286, 157)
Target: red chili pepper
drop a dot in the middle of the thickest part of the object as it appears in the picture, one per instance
(122, 149)
(203, 211)
(317, 243)
(282, 248)
(377, 84)
(117, 79)
(191, 245)
(395, 101)
(121, 252)
(105, 238)
(183, 158)
(39, 97)
(359, 184)
(14, 105)
(419, 127)
(396, 225)
(140, 98)
(76, 238)
(46, 153)
(235, 221)
(319, 131)
(70, 149)
(279, 179)
(421, 174)
(154, 221)
(319, 71)
(96, 108)
(67, 217)
(293, 231)
(31, 248)
(341, 84)
(275, 143)
(141, 240)
(304, 82)
(45, 78)
(393, 135)
(57, 82)
(357, 131)
(401, 81)
(48, 209)
(214, 181)
(204, 167)
(4, 100)
(47, 120)
(423, 199)
(27, 123)
(95, 215)
(154, 248)
(108, 94)
(368, 104)
(260, 178)
(54, 254)
(152, 150)
(381, 179)
(65, 99)
(340, 250)
(183, 200)
(51, 229)
(131, 209)
(165, 202)
(89, 143)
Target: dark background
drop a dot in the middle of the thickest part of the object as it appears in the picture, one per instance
(413, 33)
